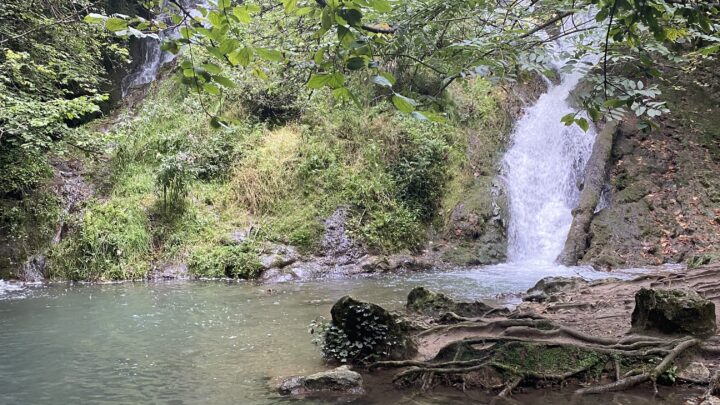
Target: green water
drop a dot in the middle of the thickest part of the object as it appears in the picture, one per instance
(200, 342)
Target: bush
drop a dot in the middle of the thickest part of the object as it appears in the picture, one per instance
(111, 242)
(235, 261)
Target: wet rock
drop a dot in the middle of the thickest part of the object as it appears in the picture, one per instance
(33, 269)
(337, 243)
(373, 264)
(341, 379)
(171, 271)
(425, 301)
(278, 256)
(711, 400)
(695, 372)
(673, 312)
(407, 262)
(369, 330)
(545, 288)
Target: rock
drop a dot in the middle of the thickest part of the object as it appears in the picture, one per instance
(337, 243)
(695, 372)
(711, 400)
(548, 286)
(425, 301)
(341, 379)
(33, 269)
(170, 271)
(373, 264)
(407, 262)
(278, 256)
(673, 312)
(369, 330)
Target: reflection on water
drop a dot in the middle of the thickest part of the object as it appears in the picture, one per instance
(197, 342)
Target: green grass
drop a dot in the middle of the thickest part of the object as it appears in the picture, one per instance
(391, 171)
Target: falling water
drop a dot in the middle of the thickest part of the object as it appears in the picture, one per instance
(150, 56)
(543, 169)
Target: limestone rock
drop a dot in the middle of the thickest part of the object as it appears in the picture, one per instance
(425, 301)
(408, 262)
(341, 379)
(548, 286)
(695, 372)
(170, 271)
(370, 329)
(278, 256)
(673, 312)
(711, 400)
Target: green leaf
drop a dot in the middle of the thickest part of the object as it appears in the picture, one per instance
(356, 63)
(93, 18)
(583, 123)
(269, 54)
(224, 81)
(568, 119)
(381, 6)
(404, 104)
(382, 81)
(115, 24)
(290, 5)
(242, 14)
(318, 81)
(212, 89)
(241, 57)
(212, 68)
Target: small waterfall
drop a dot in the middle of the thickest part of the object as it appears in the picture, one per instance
(148, 55)
(543, 170)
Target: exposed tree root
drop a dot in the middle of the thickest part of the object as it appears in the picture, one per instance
(512, 349)
(643, 377)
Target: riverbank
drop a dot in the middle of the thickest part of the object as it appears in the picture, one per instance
(567, 342)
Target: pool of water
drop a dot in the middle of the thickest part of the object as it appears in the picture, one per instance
(203, 341)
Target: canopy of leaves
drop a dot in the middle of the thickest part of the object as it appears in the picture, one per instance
(329, 41)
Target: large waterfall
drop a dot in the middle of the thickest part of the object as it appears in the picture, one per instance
(543, 169)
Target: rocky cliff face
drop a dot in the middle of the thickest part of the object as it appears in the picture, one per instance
(662, 204)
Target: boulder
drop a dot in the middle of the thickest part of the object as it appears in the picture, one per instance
(673, 312)
(364, 331)
(278, 256)
(695, 372)
(425, 301)
(408, 262)
(548, 286)
(711, 400)
(170, 271)
(340, 380)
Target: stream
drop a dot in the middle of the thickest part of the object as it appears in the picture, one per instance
(214, 342)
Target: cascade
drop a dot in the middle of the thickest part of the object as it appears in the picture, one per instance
(543, 169)
(149, 55)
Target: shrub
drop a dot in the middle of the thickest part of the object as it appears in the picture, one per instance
(266, 175)
(234, 261)
(111, 242)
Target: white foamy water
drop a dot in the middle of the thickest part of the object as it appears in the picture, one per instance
(542, 171)
(6, 287)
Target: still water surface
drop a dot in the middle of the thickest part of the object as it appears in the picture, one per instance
(209, 342)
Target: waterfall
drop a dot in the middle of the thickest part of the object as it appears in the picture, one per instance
(148, 54)
(543, 169)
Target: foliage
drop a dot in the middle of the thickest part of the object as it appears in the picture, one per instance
(335, 344)
(111, 242)
(233, 261)
(173, 178)
(333, 40)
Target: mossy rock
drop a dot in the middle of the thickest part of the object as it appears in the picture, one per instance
(673, 312)
(425, 301)
(362, 331)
